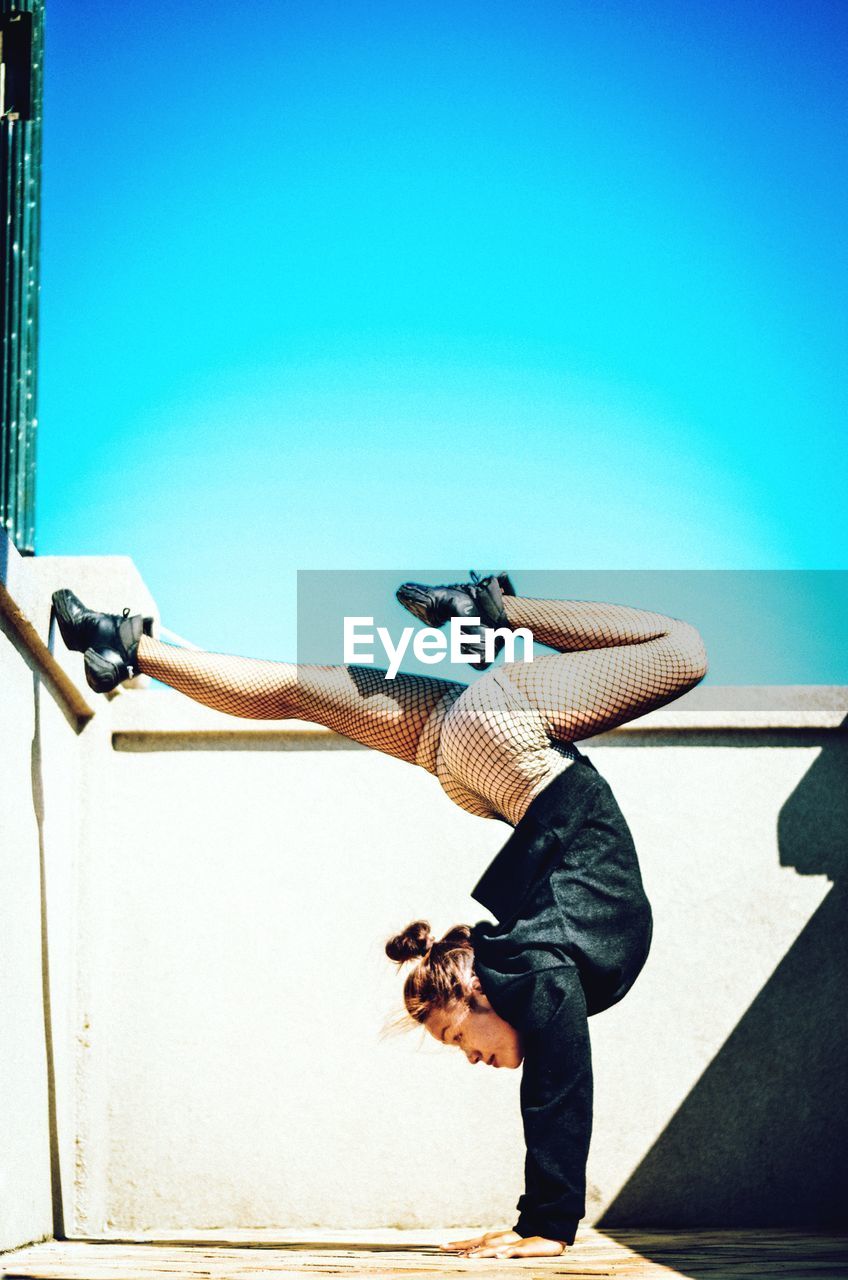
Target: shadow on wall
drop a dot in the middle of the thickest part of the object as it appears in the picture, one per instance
(770, 1113)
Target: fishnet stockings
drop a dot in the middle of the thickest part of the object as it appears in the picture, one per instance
(358, 702)
(493, 745)
(615, 663)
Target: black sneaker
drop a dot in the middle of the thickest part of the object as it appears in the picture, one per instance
(108, 640)
(480, 598)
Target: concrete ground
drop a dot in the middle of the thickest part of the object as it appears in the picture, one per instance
(628, 1255)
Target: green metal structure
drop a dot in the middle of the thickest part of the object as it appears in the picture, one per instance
(21, 97)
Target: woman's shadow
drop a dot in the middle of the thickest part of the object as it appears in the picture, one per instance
(762, 1137)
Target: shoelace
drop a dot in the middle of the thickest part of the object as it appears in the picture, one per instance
(475, 581)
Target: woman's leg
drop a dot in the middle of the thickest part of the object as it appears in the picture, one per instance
(358, 702)
(510, 733)
(615, 663)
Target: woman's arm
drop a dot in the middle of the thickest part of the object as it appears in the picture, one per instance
(556, 1107)
(549, 1007)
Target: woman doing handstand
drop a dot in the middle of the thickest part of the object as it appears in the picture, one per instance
(574, 924)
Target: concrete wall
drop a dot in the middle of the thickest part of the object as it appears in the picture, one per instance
(219, 893)
(49, 752)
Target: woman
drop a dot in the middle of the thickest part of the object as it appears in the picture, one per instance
(574, 924)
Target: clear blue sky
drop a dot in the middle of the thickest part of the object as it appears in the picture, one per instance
(364, 285)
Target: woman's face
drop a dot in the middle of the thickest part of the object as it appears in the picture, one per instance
(481, 1034)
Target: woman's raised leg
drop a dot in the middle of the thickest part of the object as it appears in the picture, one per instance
(615, 663)
(358, 702)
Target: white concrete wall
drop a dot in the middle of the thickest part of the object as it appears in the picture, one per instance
(51, 756)
(238, 1053)
(219, 893)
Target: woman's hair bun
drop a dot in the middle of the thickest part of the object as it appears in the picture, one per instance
(457, 936)
(415, 940)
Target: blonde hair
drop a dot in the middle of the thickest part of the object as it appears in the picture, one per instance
(444, 972)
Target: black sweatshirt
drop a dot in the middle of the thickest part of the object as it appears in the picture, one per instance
(574, 932)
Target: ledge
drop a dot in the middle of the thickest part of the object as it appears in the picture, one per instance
(27, 584)
(157, 716)
(149, 713)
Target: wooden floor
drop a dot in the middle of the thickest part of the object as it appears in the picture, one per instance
(628, 1255)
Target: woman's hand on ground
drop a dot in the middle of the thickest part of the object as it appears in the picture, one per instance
(506, 1244)
(479, 1242)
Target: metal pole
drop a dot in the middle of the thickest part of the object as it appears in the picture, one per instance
(21, 98)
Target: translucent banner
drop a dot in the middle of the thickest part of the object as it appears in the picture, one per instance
(760, 627)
